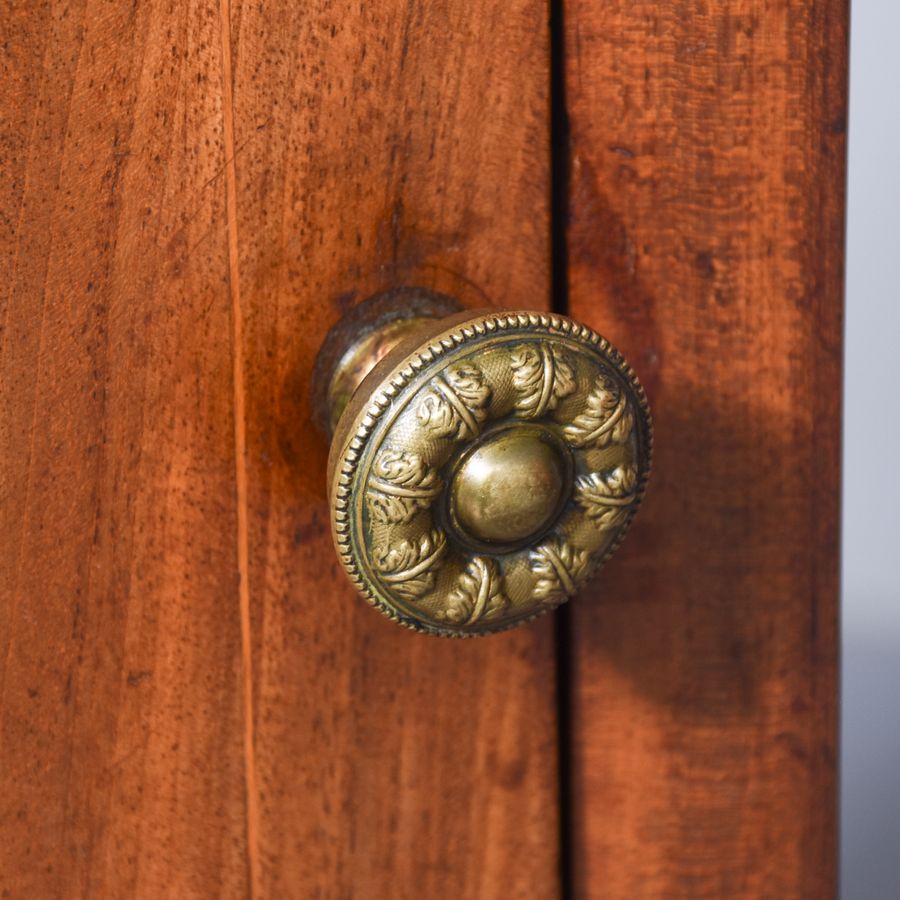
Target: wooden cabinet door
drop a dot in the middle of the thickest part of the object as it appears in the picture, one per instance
(193, 702)
(706, 232)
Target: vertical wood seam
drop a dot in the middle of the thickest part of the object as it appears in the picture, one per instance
(240, 452)
(559, 302)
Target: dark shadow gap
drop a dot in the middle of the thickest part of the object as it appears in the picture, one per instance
(559, 164)
(559, 276)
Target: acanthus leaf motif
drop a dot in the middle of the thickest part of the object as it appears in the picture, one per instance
(479, 594)
(607, 497)
(400, 485)
(456, 404)
(543, 376)
(559, 568)
(408, 566)
(607, 418)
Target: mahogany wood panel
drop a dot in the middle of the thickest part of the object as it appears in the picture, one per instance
(706, 240)
(121, 759)
(193, 701)
(376, 145)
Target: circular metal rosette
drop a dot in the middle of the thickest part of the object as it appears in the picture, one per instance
(486, 469)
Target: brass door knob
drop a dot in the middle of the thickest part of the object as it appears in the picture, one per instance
(482, 464)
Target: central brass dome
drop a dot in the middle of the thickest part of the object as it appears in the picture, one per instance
(510, 487)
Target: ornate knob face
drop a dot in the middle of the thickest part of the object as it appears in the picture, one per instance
(485, 467)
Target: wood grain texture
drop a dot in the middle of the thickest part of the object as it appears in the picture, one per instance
(706, 240)
(121, 759)
(378, 145)
(193, 702)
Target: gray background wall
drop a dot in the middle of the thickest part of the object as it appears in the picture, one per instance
(870, 765)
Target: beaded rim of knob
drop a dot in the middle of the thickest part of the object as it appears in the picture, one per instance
(399, 578)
